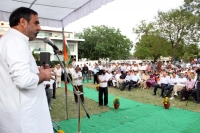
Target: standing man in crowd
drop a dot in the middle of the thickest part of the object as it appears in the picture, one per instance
(96, 70)
(23, 102)
(85, 71)
(103, 88)
(77, 76)
(49, 88)
(58, 72)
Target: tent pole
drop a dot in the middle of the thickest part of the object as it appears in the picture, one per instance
(65, 78)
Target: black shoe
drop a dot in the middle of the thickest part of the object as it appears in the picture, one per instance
(100, 105)
(195, 101)
(154, 94)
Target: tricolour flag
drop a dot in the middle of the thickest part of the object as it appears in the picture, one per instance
(66, 51)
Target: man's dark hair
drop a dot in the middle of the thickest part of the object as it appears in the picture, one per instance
(22, 12)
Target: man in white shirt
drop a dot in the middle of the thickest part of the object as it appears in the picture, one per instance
(110, 76)
(77, 76)
(58, 72)
(189, 88)
(49, 88)
(23, 102)
(179, 86)
(173, 80)
(135, 80)
(122, 68)
(144, 67)
(103, 88)
(114, 80)
(164, 81)
(126, 80)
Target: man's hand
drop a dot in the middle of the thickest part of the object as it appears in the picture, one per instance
(45, 74)
(47, 85)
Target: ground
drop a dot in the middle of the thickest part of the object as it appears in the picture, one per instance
(58, 112)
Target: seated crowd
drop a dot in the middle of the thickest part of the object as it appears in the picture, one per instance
(170, 79)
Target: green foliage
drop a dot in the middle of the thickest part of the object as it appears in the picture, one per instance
(36, 55)
(178, 27)
(190, 52)
(116, 101)
(152, 47)
(103, 42)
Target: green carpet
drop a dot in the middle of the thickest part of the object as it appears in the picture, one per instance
(134, 117)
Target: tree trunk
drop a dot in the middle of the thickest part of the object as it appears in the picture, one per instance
(172, 60)
(154, 59)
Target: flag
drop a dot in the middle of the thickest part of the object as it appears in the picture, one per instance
(66, 51)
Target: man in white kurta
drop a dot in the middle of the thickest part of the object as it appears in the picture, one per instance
(23, 103)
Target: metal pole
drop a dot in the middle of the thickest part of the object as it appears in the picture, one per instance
(79, 115)
(65, 79)
(78, 93)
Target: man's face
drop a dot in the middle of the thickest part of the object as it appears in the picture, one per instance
(32, 28)
(77, 69)
(164, 74)
(58, 67)
(189, 77)
(174, 75)
(182, 75)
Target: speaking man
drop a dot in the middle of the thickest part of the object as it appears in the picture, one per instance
(23, 103)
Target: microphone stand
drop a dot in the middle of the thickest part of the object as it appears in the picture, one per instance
(78, 93)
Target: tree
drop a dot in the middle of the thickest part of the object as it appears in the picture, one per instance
(190, 52)
(178, 26)
(192, 6)
(103, 42)
(35, 55)
(152, 46)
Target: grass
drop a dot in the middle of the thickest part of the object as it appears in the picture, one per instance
(58, 111)
(145, 96)
(141, 95)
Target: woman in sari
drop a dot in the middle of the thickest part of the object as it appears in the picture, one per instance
(151, 81)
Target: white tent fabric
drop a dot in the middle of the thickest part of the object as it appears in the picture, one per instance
(53, 13)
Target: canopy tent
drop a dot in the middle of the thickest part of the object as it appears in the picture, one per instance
(53, 13)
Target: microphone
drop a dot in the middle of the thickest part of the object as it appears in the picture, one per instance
(47, 40)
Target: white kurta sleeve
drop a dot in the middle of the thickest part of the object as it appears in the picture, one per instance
(18, 57)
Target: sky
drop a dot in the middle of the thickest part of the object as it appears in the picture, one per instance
(124, 14)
